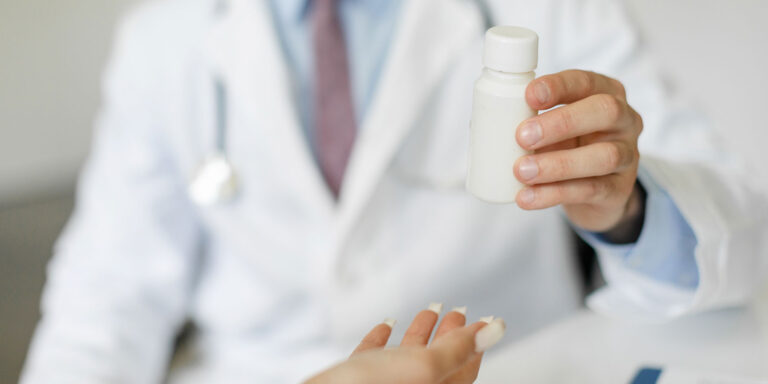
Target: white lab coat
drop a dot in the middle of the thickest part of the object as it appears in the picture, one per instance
(283, 281)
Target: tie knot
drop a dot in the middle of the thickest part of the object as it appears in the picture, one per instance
(325, 10)
(324, 4)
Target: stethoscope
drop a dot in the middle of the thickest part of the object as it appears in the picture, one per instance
(216, 180)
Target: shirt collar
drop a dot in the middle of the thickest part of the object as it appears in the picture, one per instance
(294, 9)
(297, 9)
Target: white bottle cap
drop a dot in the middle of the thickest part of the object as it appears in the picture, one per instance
(511, 49)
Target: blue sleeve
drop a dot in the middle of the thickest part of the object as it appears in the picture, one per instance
(665, 249)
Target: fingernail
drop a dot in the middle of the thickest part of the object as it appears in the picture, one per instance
(436, 307)
(489, 335)
(462, 310)
(527, 196)
(530, 133)
(486, 319)
(541, 91)
(390, 322)
(528, 169)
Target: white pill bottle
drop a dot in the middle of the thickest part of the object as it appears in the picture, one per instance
(510, 55)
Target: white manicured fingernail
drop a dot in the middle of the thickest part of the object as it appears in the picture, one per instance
(489, 335)
(486, 319)
(436, 307)
(462, 310)
(390, 322)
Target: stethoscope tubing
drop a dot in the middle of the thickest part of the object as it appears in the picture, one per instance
(221, 115)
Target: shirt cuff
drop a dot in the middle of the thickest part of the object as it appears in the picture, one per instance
(666, 247)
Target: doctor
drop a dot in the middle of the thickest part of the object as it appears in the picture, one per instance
(345, 123)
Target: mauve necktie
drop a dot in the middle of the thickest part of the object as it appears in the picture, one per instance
(334, 114)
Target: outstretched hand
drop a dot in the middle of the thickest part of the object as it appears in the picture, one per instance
(453, 356)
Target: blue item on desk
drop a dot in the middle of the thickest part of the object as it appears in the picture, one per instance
(647, 376)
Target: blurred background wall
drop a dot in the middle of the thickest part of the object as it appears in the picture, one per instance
(52, 56)
(51, 59)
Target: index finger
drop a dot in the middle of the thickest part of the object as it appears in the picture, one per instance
(569, 86)
(454, 319)
(376, 338)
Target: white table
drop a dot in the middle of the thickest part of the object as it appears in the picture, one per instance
(590, 348)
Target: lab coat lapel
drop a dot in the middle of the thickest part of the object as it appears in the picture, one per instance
(430, 36)
(242, 48)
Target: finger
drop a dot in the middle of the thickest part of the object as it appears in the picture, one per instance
(376, 338)
(559, 146)
(597, 159)
(421, 327)
(569, 86)
(580, 191)
(456, 318)
(455, 349)
(601, 112)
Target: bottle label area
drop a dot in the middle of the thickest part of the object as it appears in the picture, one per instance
(493, 147)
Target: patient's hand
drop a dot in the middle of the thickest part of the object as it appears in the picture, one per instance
(453, 356)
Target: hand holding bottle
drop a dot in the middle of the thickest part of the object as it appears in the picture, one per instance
(584, 154)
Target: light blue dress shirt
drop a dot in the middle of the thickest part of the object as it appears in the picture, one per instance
(368, 26)
(665, 248)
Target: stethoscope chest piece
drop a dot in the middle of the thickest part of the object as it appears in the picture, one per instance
(214, 182)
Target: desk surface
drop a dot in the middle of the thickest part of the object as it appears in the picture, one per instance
(590, 348)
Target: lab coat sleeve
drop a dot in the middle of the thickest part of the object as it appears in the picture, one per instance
(117, 286)
(711, 188)
(664, 251)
